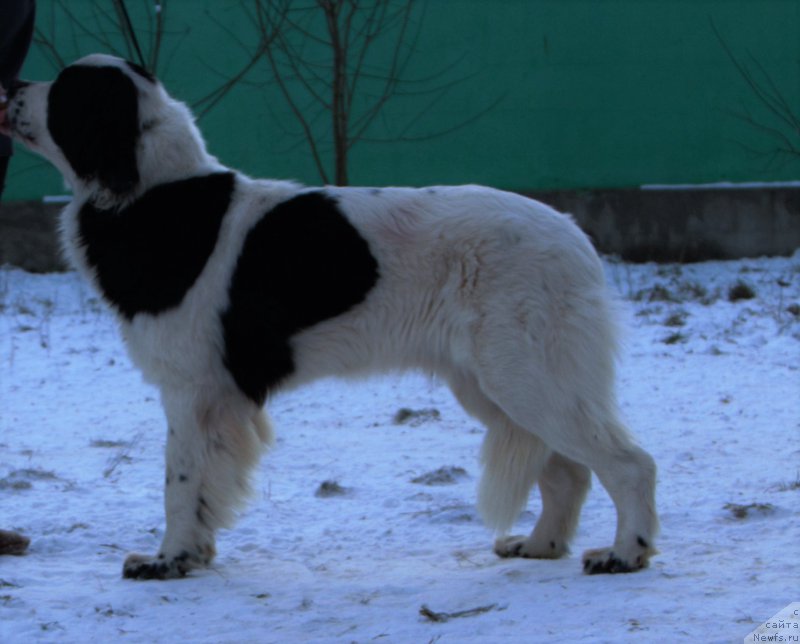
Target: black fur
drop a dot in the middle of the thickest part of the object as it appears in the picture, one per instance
(201, 511)
(611, 564)
(93, 116)
(302, 263)
(147, 570)
(149, 254)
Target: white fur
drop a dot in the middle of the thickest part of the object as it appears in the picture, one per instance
(499, 295)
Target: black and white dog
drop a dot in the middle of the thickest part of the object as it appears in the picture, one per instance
(229, 288)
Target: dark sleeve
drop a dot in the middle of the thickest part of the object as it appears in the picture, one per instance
(16, 32)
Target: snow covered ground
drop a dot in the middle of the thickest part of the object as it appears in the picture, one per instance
(711, 388)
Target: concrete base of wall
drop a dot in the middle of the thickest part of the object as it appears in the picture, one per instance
(686, 225)
(28, 236)
(639, 225)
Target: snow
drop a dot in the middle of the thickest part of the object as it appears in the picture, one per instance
(710, 387)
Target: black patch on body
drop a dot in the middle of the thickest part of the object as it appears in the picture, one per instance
(93, 116)
(302, 263)
(150, 253)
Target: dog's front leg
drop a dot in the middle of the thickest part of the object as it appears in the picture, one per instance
(189, 539)
(214, 442)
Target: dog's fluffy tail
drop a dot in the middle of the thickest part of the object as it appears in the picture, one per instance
(263, 428)
(512, 461)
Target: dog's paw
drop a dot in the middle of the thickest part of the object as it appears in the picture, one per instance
(163, 567)
(606, 561)
(144, 567)
(525, 547)
(507, 547)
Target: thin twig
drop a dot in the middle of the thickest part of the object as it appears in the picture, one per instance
(444, 617)
(768, 95)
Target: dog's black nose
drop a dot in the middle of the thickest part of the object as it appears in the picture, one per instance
(14, 87)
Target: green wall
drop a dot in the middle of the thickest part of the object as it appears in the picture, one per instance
(519, 94)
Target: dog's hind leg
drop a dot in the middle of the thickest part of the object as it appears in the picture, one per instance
(563, 486)
(591, 436)
(629, 475)
(556, 379)
(211, 449)
(512, 458)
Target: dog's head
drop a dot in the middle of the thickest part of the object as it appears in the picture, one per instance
(109, 127)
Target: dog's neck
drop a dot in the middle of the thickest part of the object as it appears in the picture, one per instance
(173, 151)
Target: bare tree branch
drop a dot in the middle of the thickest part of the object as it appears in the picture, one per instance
(106, 27)
(158, 33)
(776, 97)
(770, 97)
(325, 60)
(128, 31)
(412, 138)
(392, 79)
(789, 146)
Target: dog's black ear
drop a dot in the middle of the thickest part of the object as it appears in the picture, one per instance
(93, 116)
